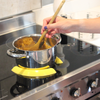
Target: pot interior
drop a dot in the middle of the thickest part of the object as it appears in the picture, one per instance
(26, 42)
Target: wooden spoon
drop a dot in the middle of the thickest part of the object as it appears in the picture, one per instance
(37, 45)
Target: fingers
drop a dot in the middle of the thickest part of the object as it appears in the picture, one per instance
(53, 26)
(51, 33)
(48, 36)
(45, 22)
(50, 27)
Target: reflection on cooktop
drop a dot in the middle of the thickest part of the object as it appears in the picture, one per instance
(8, 80)
(16, 85)
(5, 86)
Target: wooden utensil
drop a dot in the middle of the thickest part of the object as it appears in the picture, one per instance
(37, 45)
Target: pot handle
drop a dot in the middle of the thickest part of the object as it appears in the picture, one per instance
(58, 38)
(11, 53)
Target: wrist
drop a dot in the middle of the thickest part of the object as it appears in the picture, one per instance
(76, 24)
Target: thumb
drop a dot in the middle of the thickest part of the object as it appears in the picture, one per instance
(52, 26)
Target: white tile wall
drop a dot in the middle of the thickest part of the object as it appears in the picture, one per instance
(46, 2)
(23, 5)
(12, 7)
(77, 5)
(45, 11)
(8, 7)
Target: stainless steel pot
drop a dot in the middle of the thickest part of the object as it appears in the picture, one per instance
(35, 59)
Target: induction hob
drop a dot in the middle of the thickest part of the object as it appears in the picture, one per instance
(8, 78)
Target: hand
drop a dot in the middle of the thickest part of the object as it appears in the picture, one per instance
(60, 25)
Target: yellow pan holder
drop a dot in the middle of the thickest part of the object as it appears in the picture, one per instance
(58, 60)
(33, 73)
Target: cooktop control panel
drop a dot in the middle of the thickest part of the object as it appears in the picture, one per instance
(81, 89)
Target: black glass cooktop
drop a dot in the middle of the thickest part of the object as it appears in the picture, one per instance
(8, 80)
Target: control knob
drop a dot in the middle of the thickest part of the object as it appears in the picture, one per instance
(75, 92)
(55, 98)
(93, 83)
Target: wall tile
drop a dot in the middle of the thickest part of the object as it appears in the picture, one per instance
(93, 2)
(45, 2)
(23, 5)
(13, 7)
(8, 7)
(45, 11)
(35, 4)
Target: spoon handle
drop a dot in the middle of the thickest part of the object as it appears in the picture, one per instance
(57, 11)
(52, 19)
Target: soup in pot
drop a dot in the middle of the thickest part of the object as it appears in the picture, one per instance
(26, 43)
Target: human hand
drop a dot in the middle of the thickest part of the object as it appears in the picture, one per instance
(60, 25)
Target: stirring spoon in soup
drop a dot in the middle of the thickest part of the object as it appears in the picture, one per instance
(37, 45)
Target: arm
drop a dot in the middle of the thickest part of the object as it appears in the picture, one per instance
(89, 25)
(62, 25)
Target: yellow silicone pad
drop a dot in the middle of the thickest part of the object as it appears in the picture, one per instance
(33, 73)
(58, 60)
(34, 68)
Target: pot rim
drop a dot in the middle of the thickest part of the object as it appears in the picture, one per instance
(57, 36)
